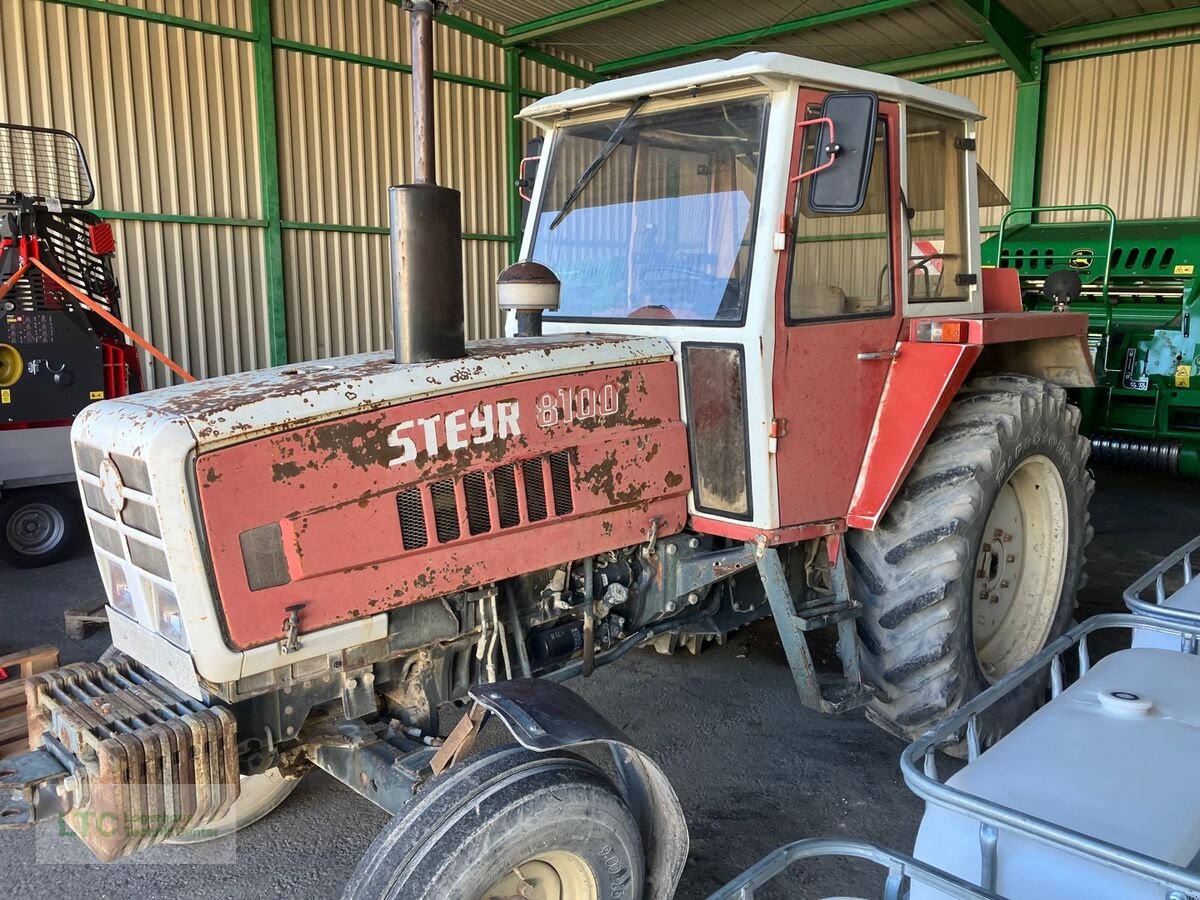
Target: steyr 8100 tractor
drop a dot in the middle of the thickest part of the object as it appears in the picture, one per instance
(736, 410)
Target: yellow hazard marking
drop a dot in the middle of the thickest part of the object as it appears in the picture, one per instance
(6, 396)
(1183, 376)
(96, 395)
(1185, 270)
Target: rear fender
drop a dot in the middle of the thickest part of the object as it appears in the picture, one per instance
(923, 380)
(544, 716)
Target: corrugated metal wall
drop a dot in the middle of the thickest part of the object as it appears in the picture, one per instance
(167, 119)
(1123, 130)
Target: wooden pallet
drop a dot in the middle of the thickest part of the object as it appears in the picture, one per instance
(83, 620)
(14, 729)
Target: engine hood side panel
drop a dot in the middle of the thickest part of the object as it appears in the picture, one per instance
(354, 516)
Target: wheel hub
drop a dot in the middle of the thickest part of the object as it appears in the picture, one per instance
(35, 529)
(555, 875)
(1019, 572)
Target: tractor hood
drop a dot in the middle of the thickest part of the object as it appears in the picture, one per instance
(235, 408)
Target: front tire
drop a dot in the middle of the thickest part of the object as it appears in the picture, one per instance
(976, 565)
(509, 823)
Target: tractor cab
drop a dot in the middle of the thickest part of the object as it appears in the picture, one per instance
(776, 220)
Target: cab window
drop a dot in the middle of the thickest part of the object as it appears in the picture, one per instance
(935, 198)
(841, 264)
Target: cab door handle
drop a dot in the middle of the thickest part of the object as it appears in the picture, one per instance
(880, 354)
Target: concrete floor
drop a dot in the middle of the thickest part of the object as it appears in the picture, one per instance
(752, 767)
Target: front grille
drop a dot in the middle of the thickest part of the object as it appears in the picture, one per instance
(134, 534)
(532, 490)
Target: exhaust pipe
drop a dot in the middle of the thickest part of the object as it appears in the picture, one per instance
(426, 227)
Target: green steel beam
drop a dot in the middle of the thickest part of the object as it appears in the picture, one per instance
(512, 142)
(932, 60)
(337, 228)
(268, 163)
(1176, 40)
(1126, 26)
(561, 65)
(587, 14)
(376, 62)
(1028, 136)
(172, 219)
(961, 73)
(1006, 34)
(146, 15)
(756, 34)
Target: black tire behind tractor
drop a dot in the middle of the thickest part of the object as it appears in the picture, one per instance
(509, 823)
(977, 562)
(39, 525)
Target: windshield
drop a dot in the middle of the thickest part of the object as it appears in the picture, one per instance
(661, 227)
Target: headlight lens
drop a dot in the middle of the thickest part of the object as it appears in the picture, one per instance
(170, 621)
(119, 592)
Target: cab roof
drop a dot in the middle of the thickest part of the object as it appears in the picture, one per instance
(775, 70)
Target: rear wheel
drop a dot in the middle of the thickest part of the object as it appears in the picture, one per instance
(38, 526)
(976, 565)
(508, 824)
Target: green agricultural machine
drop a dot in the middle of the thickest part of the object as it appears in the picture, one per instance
(1137, 281)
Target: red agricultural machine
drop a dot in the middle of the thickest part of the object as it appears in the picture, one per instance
(61, 341)
(722, 402)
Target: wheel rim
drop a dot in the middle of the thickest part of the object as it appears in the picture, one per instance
(1020, 569)
(35, 528)
(554, 875)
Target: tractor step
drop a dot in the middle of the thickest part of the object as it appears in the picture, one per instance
(825, 613)
(793, 623)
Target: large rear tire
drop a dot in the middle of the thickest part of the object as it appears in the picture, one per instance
(510, 823)
(976, 565)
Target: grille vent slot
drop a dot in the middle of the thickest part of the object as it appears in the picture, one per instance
(445, 510)
(412, 519)
(560, 481)
(506, 496)
(479, 519)
(535, 489)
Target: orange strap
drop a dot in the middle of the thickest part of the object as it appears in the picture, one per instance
(16, 276)
(110, 319)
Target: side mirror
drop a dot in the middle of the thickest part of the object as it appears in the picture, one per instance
(843, 158)
(527, 174)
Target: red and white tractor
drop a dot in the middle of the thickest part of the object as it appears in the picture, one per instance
(733, 395)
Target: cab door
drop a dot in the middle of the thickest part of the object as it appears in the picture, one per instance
(838, 319)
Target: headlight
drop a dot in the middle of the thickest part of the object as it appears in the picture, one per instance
(170, 622)
(119, 592)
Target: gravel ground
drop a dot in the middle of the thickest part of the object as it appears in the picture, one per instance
(752, 767)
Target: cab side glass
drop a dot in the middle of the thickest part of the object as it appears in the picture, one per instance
(842, 188)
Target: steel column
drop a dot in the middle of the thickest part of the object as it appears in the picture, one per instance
(268, 163)
(513, 149)
(1028, 134)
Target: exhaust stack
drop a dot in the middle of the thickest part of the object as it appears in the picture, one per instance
(426, 227)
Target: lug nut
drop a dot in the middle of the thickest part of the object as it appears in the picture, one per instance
(671, 606)
(693, 543)
(672, 549)
(693, 598)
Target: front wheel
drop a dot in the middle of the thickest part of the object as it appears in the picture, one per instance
(509, 823)
(976, 565)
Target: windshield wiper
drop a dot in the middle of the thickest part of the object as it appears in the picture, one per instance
(598, 162)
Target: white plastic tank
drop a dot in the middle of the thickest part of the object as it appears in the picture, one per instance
(1115, 756)
(1186, 598)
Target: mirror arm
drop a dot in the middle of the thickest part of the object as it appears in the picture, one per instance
(832, 148)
